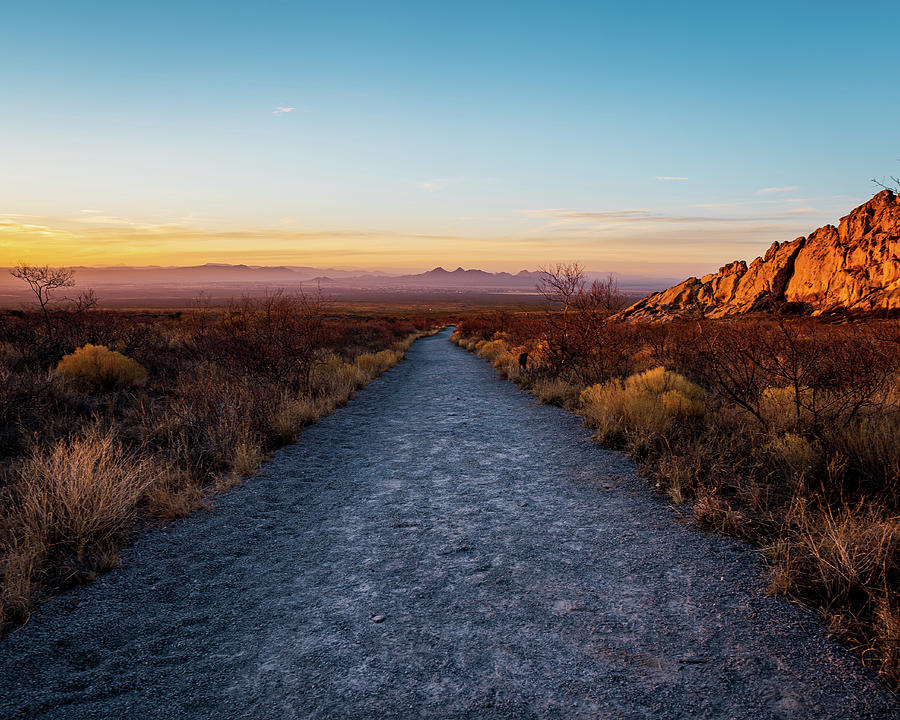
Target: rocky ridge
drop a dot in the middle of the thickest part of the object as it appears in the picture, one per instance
(852, 267)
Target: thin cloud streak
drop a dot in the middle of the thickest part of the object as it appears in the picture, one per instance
(635, 216)
(774, 190)
(283, 110)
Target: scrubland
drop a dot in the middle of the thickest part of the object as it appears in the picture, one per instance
(782, 431)
(112, 421)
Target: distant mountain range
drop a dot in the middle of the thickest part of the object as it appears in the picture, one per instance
(440, 279)
(232, 278)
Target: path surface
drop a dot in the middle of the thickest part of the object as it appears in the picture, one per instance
(521, 572)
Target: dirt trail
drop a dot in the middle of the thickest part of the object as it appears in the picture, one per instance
(521, 572)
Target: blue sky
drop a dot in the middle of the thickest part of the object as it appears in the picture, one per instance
(499, 135)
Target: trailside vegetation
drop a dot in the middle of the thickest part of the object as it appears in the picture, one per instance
(780, 430)
(110, 421)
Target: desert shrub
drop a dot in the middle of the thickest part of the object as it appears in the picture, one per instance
(647, 403)
(333, 378)
(793, 454)
(492, 350)
(97, 368)
(173, 493)
(785, 408)
(848, 560)
(292, 414)
(79, 497)
(603, 408)
(11, 356)
(872, 450)
(247, 453)
(556, 391)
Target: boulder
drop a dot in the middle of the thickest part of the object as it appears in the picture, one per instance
(854, 266)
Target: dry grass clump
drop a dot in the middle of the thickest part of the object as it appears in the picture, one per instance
(332, 377)
(81, 494)
(713, 512)
(73, 504)
(645, 404)
(556, 391)
(678, 476)
(174, 494)
(292, 414)
(792, 454)
(849, 557)
(247, 455)
(871, 448)
(371, 365)
(97, 368)
(885, 643)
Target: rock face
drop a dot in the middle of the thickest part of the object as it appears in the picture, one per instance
(854, 266)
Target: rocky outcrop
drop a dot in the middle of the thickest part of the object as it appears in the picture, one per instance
(852, 267)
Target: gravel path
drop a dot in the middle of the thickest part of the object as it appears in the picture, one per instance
(441, 547)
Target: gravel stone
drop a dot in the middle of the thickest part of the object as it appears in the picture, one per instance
(518, 586)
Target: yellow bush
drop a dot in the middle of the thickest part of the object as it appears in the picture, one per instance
(96, 367)
(556, 392)
(792, 453)
(371, 365)
(778, 406)
(333, 378)
(509, 367)
(603, 408)
(645, 403)
(291, 414)
(492, 350)
(678, 404)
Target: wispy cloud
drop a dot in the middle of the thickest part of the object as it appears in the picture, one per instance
(774, 190)
(670, 178)
(802, 210)
(440, 183)
(619, 217)
(434, 185)
(282, 110)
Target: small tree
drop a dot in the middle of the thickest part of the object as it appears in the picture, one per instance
(561, 285)
(893, 185)
(43, 281)
(604, 296)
